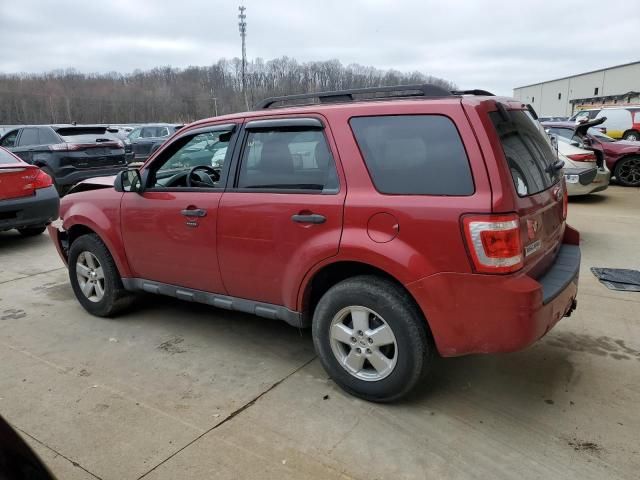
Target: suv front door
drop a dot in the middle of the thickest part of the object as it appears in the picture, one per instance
(169, 230)
(283, 213)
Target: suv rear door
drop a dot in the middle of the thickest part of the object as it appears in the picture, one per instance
(283, 212)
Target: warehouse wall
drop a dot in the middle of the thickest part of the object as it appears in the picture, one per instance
(544, 96)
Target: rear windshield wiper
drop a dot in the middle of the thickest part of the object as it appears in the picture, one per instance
(554, 167)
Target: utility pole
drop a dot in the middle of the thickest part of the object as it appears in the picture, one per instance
(243, 34)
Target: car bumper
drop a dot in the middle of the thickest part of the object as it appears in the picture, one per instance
(78, 175)
(474, 313)
(36, 210)
(580, 186)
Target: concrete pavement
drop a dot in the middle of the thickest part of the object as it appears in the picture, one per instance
(176, 390)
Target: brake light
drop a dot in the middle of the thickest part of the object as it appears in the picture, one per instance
(39, 180)
(582, 157)
(494, 242)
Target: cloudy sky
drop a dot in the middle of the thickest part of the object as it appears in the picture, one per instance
(494, 45)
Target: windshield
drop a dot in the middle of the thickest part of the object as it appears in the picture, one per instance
(6, 158)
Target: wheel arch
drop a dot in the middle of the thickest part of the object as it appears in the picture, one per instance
(630, 130)
(76, 227)
(328, 275)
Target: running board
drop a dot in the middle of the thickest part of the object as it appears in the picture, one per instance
(266, 310)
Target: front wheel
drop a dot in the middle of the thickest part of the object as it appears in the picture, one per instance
(372, 339)
(627, 171)
(95, 279)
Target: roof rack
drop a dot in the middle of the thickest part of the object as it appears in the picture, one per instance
(371, 93)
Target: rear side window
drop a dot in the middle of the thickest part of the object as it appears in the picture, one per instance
(48, 137)
(6, 158)
(414, 154)
(28, 137)
(527, 150)
(296, 159)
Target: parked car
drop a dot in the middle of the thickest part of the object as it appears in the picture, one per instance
(146, 139)
(17, 460)
(581, 171)
(67, 153)
(622, 157)
(28, 199)
(398, 229)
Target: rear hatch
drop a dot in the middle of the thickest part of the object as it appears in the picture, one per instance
(89, 147)
(16, 177)
(540, 196)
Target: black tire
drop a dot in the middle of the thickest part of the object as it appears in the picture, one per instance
(627, 171)
(415, 347)
(32, 231)
(631, 135)
(115, 298)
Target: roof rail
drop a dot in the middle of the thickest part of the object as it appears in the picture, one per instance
(416, 90)
(476, 91)
(370, 93)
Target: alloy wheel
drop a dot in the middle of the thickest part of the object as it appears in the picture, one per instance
(363, 343)
(629, 171)
(90, 276)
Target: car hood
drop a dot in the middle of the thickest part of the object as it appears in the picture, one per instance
(93, 184)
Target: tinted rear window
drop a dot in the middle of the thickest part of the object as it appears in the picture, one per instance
(6, 158)
(414, 154)
(83, 134)
(527, 150)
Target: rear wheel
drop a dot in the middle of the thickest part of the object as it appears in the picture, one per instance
(31, 231)
(95, 279)
(631, 135)
(627, 171)
(372, 339)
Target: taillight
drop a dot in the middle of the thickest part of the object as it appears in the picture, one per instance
(40, 180)
(67, 147)
(494, 242)
(582, 157)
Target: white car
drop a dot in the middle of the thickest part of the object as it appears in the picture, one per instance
(581, 170)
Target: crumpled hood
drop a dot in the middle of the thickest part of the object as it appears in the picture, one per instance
(93, 184)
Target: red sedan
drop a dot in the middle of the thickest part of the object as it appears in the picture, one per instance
(28, 199)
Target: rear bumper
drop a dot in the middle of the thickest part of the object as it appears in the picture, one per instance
(473, 313)
(596, 183)
(34, 211)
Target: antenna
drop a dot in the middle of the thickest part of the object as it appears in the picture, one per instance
(242, 24)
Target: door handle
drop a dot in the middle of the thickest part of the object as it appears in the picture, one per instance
(309, 218)
(194, 212)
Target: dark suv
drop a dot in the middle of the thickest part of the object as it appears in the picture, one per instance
(398, 228)
(67, 153)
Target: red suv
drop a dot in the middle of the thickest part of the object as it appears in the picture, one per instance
(398, 222)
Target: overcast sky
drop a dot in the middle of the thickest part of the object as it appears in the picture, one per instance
(493, 45)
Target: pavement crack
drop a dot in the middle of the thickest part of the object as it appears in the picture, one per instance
(72, 462)
(232, 415)
(32, 275)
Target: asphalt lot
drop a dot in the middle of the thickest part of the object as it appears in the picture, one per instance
(175, 390)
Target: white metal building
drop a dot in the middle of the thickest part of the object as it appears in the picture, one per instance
(563, 96)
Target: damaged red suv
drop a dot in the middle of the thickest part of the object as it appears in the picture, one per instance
(399, 223)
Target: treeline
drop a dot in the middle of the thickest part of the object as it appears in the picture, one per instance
(177, 95)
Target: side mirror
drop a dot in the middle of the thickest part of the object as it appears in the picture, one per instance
(586, 141)
(128, 180)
